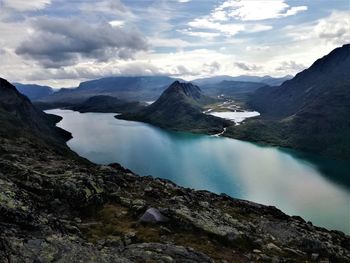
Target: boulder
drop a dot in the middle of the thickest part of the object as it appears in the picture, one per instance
(153, 215)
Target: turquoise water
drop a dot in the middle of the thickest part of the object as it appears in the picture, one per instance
(295, 184)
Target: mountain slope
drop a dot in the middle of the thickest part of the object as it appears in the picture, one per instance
(314, 86)
(238, 89)
(107, 104)
(33, 91)
(180, 108)
(309, 112)
(139, 88)
(17, 111)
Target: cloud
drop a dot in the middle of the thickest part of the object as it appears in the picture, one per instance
(116, 23)
(25, 5)
(211, 68)
(336, 28)
(290, 66)
(246, 66)
(252, 10)
(201, 34)
(59, 42)
(226, 28)
(333, 29)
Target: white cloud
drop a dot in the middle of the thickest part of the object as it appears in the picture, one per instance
(332, 29)
(202, 34)
(249, 10)
(25, 5)
(116, 23)
(227, 28)
(336, 28)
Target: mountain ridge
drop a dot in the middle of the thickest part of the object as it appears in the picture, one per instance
(309, 112)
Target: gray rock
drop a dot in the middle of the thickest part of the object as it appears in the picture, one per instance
(153, 215)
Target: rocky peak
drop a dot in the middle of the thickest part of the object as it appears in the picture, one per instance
(185, 88)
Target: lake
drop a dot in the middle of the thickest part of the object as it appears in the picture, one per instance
(315, 188)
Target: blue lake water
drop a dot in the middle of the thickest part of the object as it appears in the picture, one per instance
(315, 188)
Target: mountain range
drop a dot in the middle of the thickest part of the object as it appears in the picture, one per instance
(57, 206)
(139, 88)
(268, 80)
(33, 91)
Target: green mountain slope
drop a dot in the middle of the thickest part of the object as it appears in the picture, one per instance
(180, 108)
(107, 104)
(309, 112)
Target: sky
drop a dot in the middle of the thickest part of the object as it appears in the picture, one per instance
(61, 43)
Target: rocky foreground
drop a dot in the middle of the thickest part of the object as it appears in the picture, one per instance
(58, 207)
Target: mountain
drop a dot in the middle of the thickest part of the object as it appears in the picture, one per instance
(33, 91)
(318, 86)
(268, 80)
(309, 112)
(58, 207)
(17, 111)
(238, 89)
(212, 80)
(180, 108)
(139, 88)
(107, 104)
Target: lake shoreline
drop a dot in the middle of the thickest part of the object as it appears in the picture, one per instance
(179, 135)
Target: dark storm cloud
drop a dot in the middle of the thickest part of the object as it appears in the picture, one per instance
(60, 42)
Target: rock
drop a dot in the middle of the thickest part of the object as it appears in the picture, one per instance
(153, 215)
(314, 256)
(312, 245)
(272, 246)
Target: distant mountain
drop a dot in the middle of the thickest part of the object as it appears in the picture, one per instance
(237, 89)
(107, 104)
(309, 112)
(180, 108)
(139, 88)
(33, 91)
(212, 80)
(268, 80)
(18, 116)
